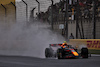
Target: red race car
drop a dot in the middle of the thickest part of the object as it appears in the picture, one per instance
(55, 50)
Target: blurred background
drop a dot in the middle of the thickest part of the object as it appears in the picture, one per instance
(79, 18)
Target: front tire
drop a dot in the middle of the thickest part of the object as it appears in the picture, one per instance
(84, 53)
(59, 54)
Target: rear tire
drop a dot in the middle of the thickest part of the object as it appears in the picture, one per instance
(84, 53)
(48, 53)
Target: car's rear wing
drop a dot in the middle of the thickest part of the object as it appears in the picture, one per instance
(54, 45)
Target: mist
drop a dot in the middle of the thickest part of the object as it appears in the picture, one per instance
(27, 39)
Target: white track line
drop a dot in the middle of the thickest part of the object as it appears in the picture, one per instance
(95, 54)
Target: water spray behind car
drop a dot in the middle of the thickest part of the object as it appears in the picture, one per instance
(31, 40)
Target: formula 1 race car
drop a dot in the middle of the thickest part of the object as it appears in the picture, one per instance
(55, 50)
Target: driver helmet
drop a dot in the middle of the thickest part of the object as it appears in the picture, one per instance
(65, 42)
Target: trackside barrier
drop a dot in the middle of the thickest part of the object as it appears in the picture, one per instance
(89, 43)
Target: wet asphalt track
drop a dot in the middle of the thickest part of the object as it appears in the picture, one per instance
(10, 61)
